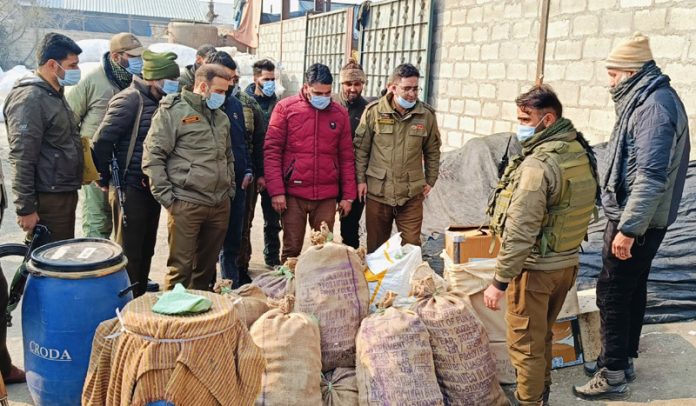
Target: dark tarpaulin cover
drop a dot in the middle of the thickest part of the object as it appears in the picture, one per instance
(468, 176)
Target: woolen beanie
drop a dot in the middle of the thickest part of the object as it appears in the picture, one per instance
(352, 71)
(631, 54)
(159, 65)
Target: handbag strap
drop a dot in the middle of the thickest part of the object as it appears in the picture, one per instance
(134, 135)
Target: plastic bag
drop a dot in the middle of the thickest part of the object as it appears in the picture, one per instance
(390, 268)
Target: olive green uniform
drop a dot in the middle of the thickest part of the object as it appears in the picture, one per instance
(543, 205)
(188, 158)
(396, 155)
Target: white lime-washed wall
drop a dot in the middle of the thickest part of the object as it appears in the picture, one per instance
(285, 42)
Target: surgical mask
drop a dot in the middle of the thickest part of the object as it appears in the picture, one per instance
(405, 103)
(268, 88)
(135, 65)
(170, 86)
(320, 102)
(235, 90)
(72, 77)
(215, 100)
(525, 132)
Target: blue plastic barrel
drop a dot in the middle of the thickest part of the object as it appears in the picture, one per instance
(73, 286)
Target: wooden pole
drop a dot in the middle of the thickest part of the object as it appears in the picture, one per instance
(285, 10)
(543, 29)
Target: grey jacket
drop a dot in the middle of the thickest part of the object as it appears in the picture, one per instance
(654, 164)
(45, 147)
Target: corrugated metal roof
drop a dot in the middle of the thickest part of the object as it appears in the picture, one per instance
(190, 10)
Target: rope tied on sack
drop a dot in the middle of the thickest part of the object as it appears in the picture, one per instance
(223, 286)
(423, 287)
(321, 236)
(387, 301)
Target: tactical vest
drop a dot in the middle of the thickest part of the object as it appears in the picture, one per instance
(565, 223)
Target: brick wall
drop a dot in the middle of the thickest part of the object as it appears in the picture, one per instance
(285, 42)
(485, 56)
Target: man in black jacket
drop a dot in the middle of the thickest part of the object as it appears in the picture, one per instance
(45, 147)
(126, 122)
(648, 156)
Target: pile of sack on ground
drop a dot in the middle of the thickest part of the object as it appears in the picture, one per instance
(336, 331)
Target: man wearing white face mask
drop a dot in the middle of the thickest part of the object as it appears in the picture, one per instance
(188, 159)
(122, 133)
(89, 100)
(396, 136)
(308, 154)
(541, 209)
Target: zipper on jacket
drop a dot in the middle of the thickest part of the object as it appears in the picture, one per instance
(316, 156)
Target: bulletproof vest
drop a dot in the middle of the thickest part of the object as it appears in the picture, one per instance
(565, 223)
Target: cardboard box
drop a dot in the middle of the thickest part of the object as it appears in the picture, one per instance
(566, 344)
(590, 335)
(466, 243)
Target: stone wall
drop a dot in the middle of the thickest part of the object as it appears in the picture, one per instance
(285, 42)
(486, 50)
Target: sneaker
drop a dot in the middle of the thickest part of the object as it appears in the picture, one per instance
(600, 388)
(630, 372)
(152, 286)
(16, 375)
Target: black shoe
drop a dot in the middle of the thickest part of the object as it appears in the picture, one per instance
(599, 388)
(152, 286)
(545, 396)
(591, 369)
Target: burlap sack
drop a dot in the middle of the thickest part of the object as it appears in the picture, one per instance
(331, 286)
(464, 365)
(249, 300)
(339, 387)
(394, 359)
(470, 280)
(279, 282)
(290, 343)
(179, 359)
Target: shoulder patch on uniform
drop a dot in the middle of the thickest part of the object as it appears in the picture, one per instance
(428, 107)
(372, 104)
(531, 178)
(191, 119)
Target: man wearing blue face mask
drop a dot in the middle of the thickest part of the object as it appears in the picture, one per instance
(308, 159)
(45, 147)
(396, 135)
(89, 100)
(122, 133)
(541, 209)
(188, 158)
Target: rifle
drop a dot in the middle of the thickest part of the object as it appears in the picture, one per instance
(120, 195)
(40, 237)
(505, 160)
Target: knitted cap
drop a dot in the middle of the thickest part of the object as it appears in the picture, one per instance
(352, 71)
(158, 65)
(631, 54)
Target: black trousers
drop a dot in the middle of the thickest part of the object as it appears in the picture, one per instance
(622, 295)
(350, 225)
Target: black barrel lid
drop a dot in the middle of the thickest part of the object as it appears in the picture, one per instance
(77, 255)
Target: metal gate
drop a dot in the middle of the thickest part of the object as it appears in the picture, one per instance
(329, 41)
(394, 32)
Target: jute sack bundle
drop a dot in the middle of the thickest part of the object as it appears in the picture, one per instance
(395, 362)
(464, 365)
(339, 388)
(331, 286)
(290, 343)
(278, 282)
(178, 359)
(249, 300)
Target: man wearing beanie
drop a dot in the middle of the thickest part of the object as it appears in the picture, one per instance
(89, 99)
(353, 80)
(122, 134)
(647, 158)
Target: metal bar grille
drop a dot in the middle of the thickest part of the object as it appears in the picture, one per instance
(327, 41)
(396, 32)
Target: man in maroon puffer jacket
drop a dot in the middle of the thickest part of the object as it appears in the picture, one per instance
(308, 157)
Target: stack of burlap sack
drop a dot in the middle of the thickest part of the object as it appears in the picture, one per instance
(323, 345)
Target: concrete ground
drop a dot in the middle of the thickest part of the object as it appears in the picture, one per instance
(666, 367)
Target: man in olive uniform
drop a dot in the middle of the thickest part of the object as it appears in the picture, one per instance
(541, 208)
(188, 159)
(45, 147)
(188, 74)
(89, 100)
(396, 135)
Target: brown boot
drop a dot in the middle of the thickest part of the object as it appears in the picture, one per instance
(16, 375)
